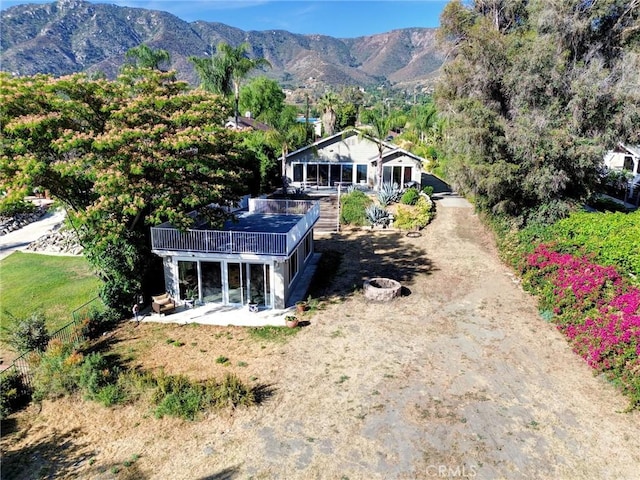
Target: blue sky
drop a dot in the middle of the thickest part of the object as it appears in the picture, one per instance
(337, 18)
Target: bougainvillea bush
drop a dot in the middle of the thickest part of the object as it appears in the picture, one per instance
(612, 239)
(595, 307)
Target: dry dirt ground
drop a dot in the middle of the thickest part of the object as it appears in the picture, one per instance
(459, 378)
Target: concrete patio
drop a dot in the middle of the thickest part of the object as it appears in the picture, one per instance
(222, 315)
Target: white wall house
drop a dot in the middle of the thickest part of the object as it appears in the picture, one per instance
(625, 158)
(349, 158)
(258, 258)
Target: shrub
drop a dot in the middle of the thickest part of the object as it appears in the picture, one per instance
(29, 334)
(13, 393)
(597, 310)
(377, 216)
(231, 392)
(99, 321)
(177, 396)
(389, 193)
(98, 379)
(353, 207)
(410, 196)
(11, 207)
(428, 190)
(56, 371)
(610, 237)
(416, 218)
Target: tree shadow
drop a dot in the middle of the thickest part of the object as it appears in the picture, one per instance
(224, 474)
(348, 259)
(55, 457)
(263, 392)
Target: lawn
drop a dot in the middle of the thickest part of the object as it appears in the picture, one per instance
(53, 285)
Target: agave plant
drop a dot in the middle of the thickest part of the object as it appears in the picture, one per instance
(389, 193)
(378, 216)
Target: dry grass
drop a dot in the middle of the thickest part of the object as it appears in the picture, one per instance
(459, 372)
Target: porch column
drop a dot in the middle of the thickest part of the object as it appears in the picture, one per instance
(279, 284)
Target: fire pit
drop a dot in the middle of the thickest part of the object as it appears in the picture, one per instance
(381, 289)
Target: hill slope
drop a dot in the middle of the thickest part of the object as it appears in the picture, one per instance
(72, 35)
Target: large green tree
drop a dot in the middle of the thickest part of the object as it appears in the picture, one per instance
(121, 156)
(264, 98)
(224, 72)
(535, 92)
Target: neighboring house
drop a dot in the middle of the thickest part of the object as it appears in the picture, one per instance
(258, 258)
(624, 157)
(315, 123)
(351, 158)
(246, 123)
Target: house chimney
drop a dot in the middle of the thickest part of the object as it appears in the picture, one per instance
(247, 114)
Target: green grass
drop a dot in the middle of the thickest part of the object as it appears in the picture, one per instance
(271, 333)
(53, 285)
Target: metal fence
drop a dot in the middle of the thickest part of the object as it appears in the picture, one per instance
(72, 332)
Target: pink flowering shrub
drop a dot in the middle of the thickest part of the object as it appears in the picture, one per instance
(595, 308)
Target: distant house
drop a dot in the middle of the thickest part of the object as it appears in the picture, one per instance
(315, 123)
(351, 158)
(624, 158)
(246, 123)
(258, 258)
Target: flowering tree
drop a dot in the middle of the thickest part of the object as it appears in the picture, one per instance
(121, 156)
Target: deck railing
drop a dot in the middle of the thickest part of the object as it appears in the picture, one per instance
(281, 207)
(227, 241)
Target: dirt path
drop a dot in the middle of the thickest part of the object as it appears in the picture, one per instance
(459, 379)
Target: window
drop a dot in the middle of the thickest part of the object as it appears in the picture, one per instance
(628, 164)
(361, 173)
(347, 173)
(308, 245)
(399, 174)
(312, 172)
(297, 172)
(335, 174)
(293, 266)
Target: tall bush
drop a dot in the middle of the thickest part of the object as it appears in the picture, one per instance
(56, 371)
(13, 393)
(353, 207)
(29, 333)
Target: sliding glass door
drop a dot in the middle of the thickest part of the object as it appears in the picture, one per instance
(249, 283)
(211, 275)
(259, 284)
(235, 283)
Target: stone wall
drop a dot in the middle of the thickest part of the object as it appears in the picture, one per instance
(9, 224)
(64, 242)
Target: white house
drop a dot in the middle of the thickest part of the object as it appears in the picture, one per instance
(351, 158)
(624, 157)
(257, 258)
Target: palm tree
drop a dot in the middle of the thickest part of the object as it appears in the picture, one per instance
(286, 137)
(327, 103)
(144, 56)
(377, 131)
(223, 73)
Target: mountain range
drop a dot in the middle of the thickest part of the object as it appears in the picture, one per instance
(73, 35)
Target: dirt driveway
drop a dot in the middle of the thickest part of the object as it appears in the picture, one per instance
(460, 378)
